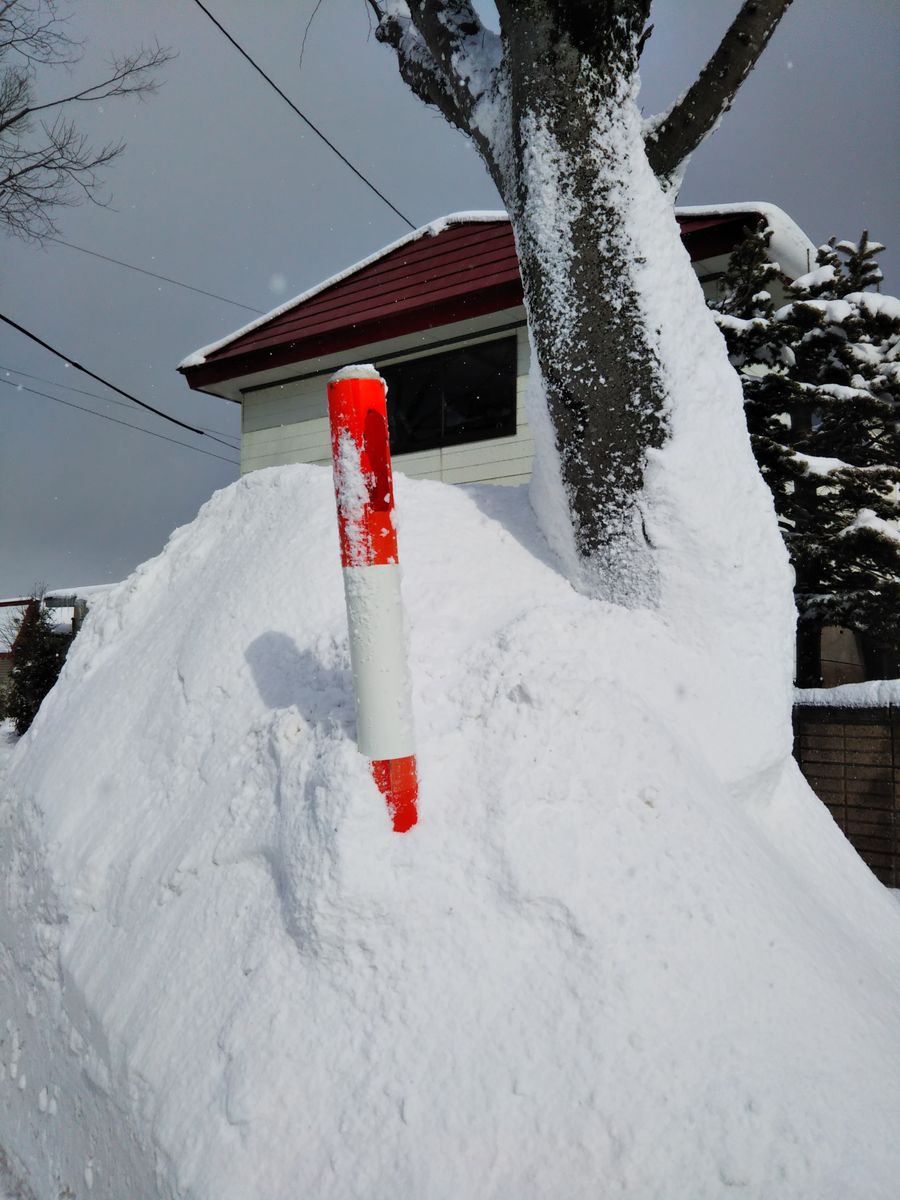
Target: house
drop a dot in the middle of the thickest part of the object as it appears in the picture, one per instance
(440, 313)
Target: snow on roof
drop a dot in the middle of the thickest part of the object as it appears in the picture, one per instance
(12, 609)
(432, 229)
(790, 246)
(83, 593)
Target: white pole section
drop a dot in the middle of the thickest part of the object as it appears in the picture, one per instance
(364, 491)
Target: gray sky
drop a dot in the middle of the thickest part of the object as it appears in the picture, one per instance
(224, 188)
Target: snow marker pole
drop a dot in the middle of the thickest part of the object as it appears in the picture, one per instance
(364, 492)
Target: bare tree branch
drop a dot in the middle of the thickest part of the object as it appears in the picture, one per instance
(672, 138)
(130, 75)
(35, 32)
(53, 165)
(60, 172)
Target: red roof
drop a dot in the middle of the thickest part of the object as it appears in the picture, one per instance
(466, 269)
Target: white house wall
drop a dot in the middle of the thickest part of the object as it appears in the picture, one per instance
(288, 422)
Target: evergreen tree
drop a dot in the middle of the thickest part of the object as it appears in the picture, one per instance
(38, 656)
(821, 378)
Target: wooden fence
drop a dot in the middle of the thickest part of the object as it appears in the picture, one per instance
(851, 757)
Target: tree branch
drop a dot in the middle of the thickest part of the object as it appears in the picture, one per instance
(35, 182)
(417, 68)
(48, 163)
(674, 136)
(445, 55)
(129, 77)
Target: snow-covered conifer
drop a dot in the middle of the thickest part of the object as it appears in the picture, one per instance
(821, 382)
(38, 656)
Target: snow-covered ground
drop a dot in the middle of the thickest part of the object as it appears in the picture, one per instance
(625, 952)
(875, 693)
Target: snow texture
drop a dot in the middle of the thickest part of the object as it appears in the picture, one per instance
(625, 949)
(356, 371)
(875, 693)
(352, 495)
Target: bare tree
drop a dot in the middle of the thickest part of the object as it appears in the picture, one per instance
(46, 162)
(550, 104)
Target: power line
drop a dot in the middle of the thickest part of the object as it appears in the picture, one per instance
(20, 387)
(318, 132)
(96, 396)
(128, 396)
(143, 271)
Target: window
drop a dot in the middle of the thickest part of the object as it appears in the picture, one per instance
(466, 395)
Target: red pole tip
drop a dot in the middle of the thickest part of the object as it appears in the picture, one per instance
(397, 781)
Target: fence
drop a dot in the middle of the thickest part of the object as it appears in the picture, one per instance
(851, 757)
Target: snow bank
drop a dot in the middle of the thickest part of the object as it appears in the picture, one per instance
(605, 962)
(874, 693)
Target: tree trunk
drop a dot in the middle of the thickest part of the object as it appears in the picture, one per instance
(574, 136)
(643, 477)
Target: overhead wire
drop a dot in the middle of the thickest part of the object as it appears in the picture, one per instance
(96, 396)
(153, 274)
(99, 378)
(21, 387)
(303, 117)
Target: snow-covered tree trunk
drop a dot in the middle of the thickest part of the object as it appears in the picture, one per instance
(551, 105)
(569, 145)
(644, 479)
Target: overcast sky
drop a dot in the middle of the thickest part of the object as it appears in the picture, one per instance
(223, 188)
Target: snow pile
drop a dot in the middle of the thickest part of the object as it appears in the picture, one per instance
(625, 952)
(874, 693)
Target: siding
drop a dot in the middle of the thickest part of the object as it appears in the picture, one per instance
(288, 423)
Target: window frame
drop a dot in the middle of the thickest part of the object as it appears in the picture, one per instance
(507, 425)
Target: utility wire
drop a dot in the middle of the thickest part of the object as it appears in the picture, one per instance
(106, 383)
(20, 387)
(143, 270)
(67, 387)
(318, 132)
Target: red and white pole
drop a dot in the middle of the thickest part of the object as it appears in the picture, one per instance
(365, 503)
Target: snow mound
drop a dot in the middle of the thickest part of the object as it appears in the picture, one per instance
(605, 961)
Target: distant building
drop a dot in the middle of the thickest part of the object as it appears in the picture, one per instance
(68, 609)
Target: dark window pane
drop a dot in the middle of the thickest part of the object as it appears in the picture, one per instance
(480, 393)
(448, 399)
(414, 405)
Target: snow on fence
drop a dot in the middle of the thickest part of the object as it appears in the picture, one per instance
(851, 758)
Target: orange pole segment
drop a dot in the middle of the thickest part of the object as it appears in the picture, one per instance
(364, 492)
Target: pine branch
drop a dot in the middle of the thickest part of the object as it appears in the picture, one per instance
(678, 134)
